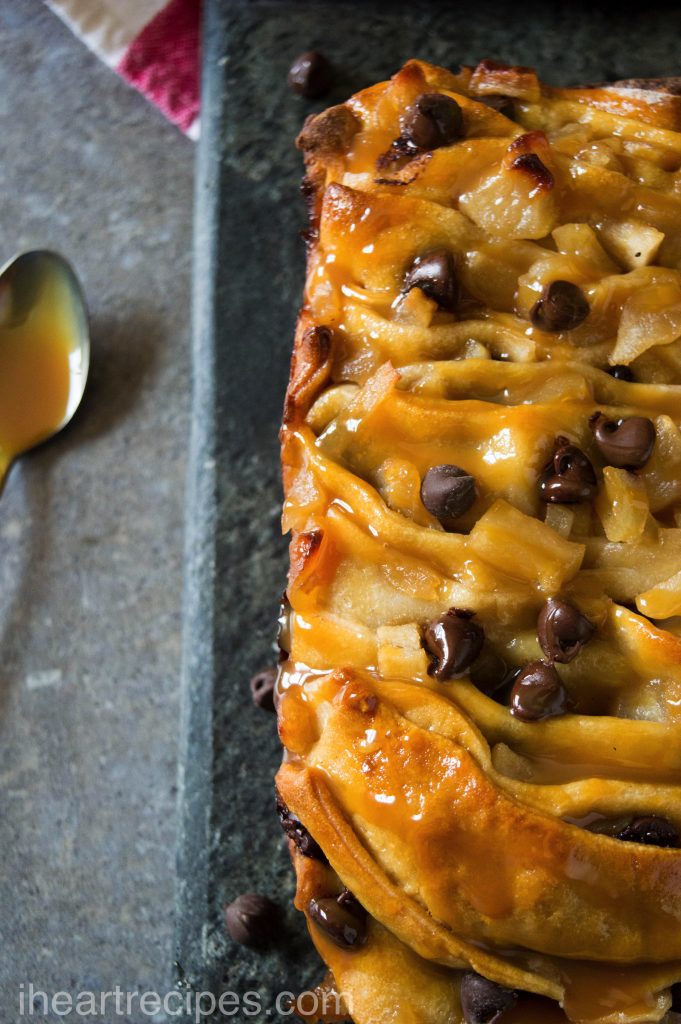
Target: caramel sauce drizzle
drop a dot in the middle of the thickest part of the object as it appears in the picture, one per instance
(406, 386)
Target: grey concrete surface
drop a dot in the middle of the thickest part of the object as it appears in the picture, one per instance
(91, 532)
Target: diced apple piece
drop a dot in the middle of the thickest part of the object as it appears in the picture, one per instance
(415, 308)
(516, 199)
(506, 204)
(625, 570)
(622, 505)
(399, 483)
(580, 240)
(595, 188)
(633, 243)
(524, 548)
(401, 653)
(663, 600)
(560, 518)
(600, 154)
(663, 469)
(651, 316)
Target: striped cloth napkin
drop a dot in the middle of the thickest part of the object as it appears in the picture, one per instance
(152, 44)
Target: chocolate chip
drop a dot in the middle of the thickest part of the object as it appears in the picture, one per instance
(435, 275)
(296, 831)
(483, 1001)
(607, 826)
(562, 307)
(569, 477)
(621, 373)
(562, 630)
(652, 831)
(649, 830)
(343, 919)
(262, 688)
(447, 492)
(348, 900)
(310, 74)
(251, 919)
(538, 693)
(625, 443)
(433, 120)
(455, 641)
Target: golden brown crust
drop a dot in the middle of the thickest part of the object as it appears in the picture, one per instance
(670, 85)
(310, 369)
(329, 133)
(458, 826)
(491, 77)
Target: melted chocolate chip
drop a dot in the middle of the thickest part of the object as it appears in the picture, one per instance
(447, 492)
(538, 693)
(435, 275)
(348, 900)
(432, 121)
(569, 477)
(310, 75)
(251, 919)
(455, 641)
(562, 307)
(649, 830)
(621, 373)
(296, 831)
(625, 443)
(562, 630)
(483, 1001)
(607, 826)
(262, 688)
(343, 919)
(652, 831)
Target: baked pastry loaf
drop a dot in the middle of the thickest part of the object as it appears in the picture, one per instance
(480, 689)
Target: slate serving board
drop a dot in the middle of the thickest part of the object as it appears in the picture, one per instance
(248, 278)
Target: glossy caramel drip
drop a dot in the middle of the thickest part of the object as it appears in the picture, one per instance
(34, 371)
(456, 824)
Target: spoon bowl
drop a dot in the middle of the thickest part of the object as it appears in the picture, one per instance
(44, 350)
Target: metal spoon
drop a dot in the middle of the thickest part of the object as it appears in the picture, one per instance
(44, 351)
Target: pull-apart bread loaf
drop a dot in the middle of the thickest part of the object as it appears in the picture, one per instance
(480, 689)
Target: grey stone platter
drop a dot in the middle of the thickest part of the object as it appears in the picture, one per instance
(248, 277)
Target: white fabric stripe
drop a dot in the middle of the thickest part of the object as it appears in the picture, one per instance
(107, 27)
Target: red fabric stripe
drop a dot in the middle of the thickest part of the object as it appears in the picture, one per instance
(163, 61)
